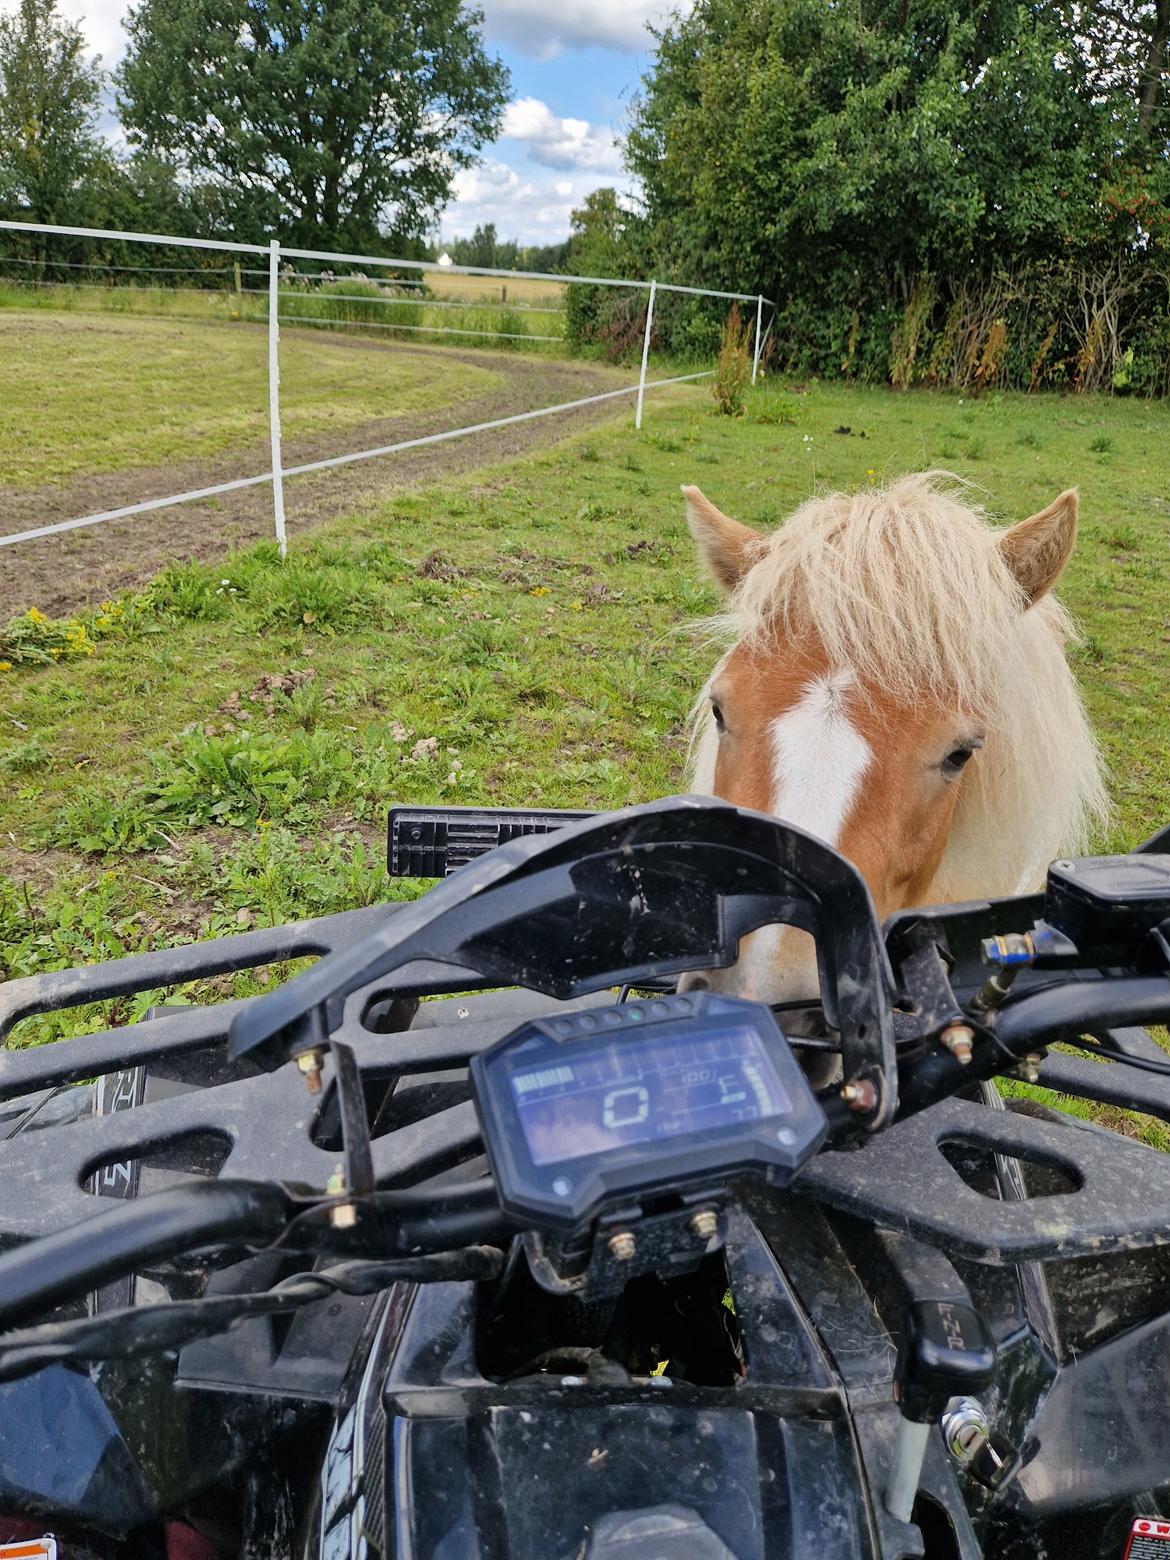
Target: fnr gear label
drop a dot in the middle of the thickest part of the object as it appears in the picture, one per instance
(1149, 1539)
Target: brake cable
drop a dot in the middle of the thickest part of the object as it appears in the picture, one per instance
(148, 1329)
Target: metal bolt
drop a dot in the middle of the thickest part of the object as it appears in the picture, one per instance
(622, 1246)
(704, 1224)
(344, 1215)
(1029, 1068)
(958, 1038)
(861, 1096)
(310, 1063)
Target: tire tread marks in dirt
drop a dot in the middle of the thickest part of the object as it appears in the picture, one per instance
(77, 569)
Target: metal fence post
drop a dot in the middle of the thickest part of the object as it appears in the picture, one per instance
(759, 321)
(645, 353)
(274, 392)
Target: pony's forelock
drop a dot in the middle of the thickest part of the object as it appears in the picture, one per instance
(905, 586)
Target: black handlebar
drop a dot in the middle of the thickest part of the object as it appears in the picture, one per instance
(1067, 1011)
(199, 1215)
(119, 1241)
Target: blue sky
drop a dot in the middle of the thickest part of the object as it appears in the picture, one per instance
(574, 64)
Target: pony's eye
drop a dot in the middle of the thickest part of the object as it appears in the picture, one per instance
(957, 760)
(717, 715)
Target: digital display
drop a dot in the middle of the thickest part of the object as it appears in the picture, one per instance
(594, 1096)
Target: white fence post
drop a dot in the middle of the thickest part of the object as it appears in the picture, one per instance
(645, 353)
(274, 392)
(759, 321)
(276, 253)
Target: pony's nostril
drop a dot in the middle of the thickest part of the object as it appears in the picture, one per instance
(694, 983)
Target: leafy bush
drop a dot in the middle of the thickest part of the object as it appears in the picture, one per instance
(775, 409)
(280, 876)
(690, 328)
(234, 779)
(319, 593)
(190, 592)
(104, 824)
(733, 366)
(23, 758)
(510, 323)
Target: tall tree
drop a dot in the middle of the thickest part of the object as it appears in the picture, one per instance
(331, 121)
(972, 190)
(1127, 43)
(790, 141)
(49, 98)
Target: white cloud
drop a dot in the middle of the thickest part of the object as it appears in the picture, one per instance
(535, 27)
(567, 144)
(543, 30)
(532, 210)
(101, 23)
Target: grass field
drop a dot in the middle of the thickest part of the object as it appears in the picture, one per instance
(174, 390)
(220, 749)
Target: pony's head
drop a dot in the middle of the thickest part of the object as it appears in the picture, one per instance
(896, 684)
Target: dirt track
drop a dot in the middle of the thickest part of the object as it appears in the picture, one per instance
(64, 573)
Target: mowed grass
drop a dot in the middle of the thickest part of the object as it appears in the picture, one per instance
(227, 753)
(454, 311)
(179, 390)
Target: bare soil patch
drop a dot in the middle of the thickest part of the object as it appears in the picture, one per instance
(77, 569)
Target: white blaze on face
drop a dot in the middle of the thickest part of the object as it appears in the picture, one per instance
(818, 759)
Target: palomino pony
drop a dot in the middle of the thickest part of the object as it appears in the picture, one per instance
(896, 685)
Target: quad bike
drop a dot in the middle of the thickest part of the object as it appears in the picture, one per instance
(478, 1238)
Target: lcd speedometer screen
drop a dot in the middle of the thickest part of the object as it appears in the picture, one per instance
(596, 1096)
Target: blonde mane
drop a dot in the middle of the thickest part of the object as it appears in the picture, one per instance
(905, 586)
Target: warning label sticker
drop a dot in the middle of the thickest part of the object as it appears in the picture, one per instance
(30, 1549)
(1149, 1539)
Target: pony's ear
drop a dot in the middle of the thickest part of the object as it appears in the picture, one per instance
(1037, 550)
(728, 548)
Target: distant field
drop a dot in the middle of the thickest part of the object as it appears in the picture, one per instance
(495, 289)
(89, 393)
(455, 310)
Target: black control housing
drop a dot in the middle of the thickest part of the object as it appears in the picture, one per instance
(1107, 903)
(947, 1352)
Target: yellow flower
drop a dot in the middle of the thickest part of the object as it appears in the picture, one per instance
(539, 590)
(5, 666)
(36, 615)
(576, 606)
